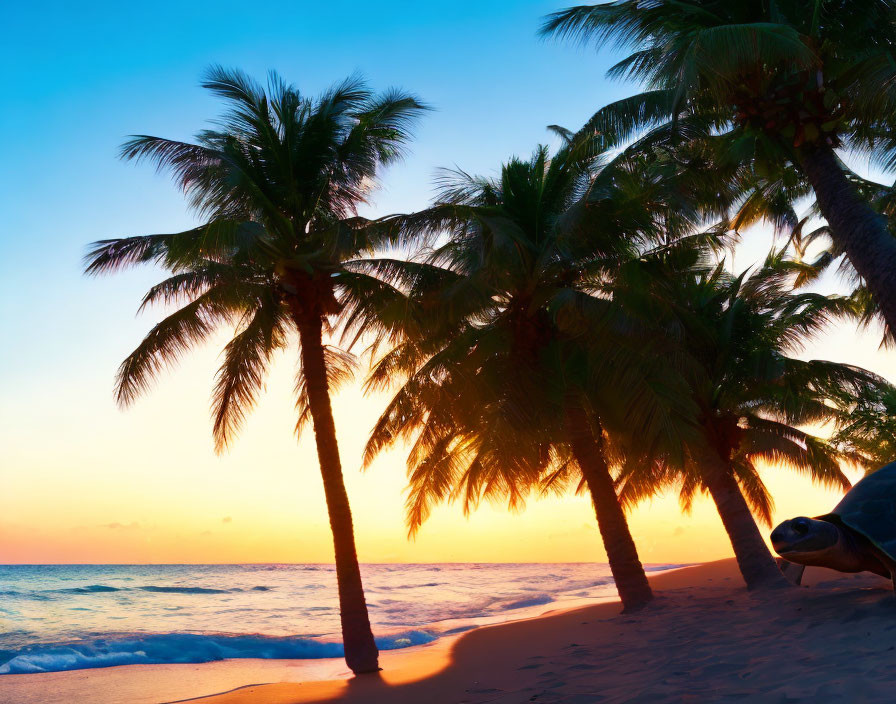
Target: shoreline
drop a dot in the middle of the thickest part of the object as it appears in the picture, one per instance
(412, 667)
(195, 681)
(149, 616)
(731, 637)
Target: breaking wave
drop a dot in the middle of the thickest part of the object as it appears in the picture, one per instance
(181, 648)
(67, 617)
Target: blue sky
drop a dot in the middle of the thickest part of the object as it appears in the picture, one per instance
(85, 77)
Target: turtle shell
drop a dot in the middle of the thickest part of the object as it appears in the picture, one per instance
(869, 508)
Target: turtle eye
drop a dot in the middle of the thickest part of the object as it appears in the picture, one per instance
(801, 525)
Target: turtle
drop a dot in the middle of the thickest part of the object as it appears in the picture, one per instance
(859, 535)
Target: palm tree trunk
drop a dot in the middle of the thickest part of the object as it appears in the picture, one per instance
(754, 560)
(625, 565)
(361, 653)
(856, 229)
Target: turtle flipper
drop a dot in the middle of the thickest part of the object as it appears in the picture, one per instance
(793, 571)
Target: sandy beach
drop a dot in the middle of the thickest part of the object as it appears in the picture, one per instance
(704, 639)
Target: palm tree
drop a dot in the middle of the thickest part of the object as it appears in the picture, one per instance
(277, 185)
(773, 196)
(754, 399)
(869, 431)
(802, 239)
(782, 82)
(515, 363)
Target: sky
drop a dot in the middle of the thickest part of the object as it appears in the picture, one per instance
(84, 481)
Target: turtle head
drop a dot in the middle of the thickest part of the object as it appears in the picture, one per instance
(806, 541)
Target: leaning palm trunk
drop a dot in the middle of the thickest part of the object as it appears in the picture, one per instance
(756, 564)
(628, 573)
(361, 653)
(856, 229)
(277, 185)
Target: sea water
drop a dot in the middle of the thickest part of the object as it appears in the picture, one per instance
(65, 617)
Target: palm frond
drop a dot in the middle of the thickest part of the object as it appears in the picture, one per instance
(241, 375)
(170, 339)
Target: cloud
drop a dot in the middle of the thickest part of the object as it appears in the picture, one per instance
(121, 526)
(227, 519)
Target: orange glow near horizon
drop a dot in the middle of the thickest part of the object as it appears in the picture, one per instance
(93, 484)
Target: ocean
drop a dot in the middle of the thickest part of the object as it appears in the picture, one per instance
(67, 617)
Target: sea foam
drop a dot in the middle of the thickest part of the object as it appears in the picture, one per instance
(183, 648)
